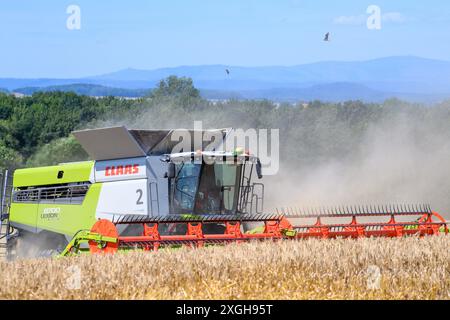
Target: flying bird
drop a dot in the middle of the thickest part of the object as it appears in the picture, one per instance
(327, 37)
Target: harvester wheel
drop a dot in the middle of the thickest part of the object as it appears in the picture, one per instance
(107, 229)
(30, 245)
(51, 244)
(249, 226)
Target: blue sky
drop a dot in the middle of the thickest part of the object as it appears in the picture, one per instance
(162, 33)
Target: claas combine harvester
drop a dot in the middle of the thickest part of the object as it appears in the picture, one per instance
(137, 194)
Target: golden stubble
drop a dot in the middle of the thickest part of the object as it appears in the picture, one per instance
(409, 268)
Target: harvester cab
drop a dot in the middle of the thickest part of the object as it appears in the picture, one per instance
(213, 183)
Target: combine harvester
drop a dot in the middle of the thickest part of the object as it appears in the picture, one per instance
(136, 194)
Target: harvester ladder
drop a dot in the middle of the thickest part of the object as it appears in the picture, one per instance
(5, 200)
(154, 198)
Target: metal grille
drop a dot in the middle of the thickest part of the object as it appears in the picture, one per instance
(26, 196)
(62, 194)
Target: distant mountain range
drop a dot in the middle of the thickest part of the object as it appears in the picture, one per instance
(88, 90)
(405, 77)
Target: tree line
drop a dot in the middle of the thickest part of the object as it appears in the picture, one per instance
(35, 130)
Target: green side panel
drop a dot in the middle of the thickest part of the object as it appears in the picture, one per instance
(24, 213)
(41, 176)
(60, 218)
(68, 218)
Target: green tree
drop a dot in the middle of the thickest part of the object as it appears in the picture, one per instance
(181, 88)
(9, 158)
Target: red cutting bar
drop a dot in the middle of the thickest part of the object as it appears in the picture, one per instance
(361, 231)
(195, 235)
(424, 226)
(181, 238)
(151, 239)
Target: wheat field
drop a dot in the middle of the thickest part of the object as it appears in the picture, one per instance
(403, 268)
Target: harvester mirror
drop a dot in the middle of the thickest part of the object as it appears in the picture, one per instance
(259, 169)
(171, 171)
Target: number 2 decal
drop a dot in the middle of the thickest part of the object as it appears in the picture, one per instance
(139, 200)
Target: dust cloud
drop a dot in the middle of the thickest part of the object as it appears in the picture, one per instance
(399, 161)
(401, 157)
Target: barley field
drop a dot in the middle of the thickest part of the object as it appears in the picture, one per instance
(404, 268)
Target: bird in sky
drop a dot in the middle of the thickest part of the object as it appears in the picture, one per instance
(327, 37)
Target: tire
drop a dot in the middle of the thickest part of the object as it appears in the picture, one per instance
(249, 226)
(50, 245)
